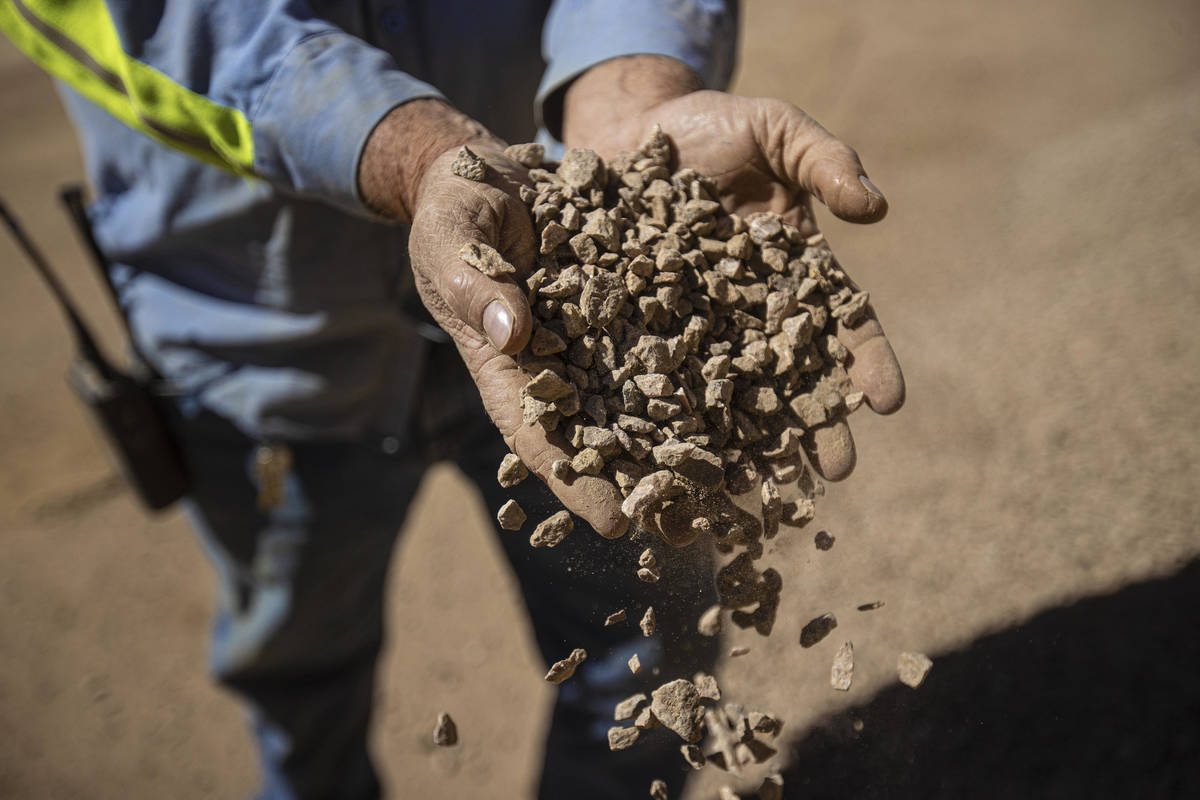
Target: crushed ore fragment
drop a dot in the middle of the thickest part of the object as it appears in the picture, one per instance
(512, 471)
(771, 788)
(912, 668)
(486, 259)
(445, 733)
(823, 540)
(561, 670)
(871, 606)
(635, 664)
(817, 629)
(710, 621)
(646, 720)
(468, 165)
(841, 674)
(649, 574)
(760, 722)
(693, 755)
(628, 708)
(511, 516)
(622, 738)
(561, 469)
(647, 624)
(614, 618)
(528, 155)
(706, 685)
(658, 790)
(552, 530)
(677, 706)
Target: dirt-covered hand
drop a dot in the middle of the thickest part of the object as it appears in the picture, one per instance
(764, 155)
(489, 318)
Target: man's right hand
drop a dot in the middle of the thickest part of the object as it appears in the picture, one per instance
(488, 319)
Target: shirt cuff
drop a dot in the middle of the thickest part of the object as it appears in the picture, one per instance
(322, 104)
(580, 34)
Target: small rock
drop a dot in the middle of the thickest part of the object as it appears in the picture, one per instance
(649, 574)
(561, 469)
(852, 311)
(693, 755)
(547, 386)
(546, 342)
(552, 530)
(871, 606)
(823, 540)
(658, 790)
(734, 652)
(841, 674)
(727, 793)
(771, 787)
(468, 165)
(763, 723)
(445, 733)
(614, 618)
(635, 664)
(486, 259)
(646, 720)
(710, 621)
(654, 384)
(511, 516)
(561, 670)
(648, 622)
(677, 706)
(512, 471)
(912, 668)
(587, 462)
(628, 708)
(647, 558)
(580, 168)
(528, 155)
(817, 629)
(648, 494)
(706, 685)
(622, 738)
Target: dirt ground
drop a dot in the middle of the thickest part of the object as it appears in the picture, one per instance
(1030, 518)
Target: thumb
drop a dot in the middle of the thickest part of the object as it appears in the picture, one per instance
(805, 156)
(452, 248)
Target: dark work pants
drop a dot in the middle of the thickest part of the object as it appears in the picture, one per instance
(299, 623)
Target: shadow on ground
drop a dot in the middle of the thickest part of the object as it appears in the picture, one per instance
(1100, 699)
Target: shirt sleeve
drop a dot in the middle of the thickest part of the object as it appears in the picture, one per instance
(580, 34)
(261, 88)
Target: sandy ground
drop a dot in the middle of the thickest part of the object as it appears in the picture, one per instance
(1030, 518)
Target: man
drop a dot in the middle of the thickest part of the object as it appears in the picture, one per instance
(272, 183)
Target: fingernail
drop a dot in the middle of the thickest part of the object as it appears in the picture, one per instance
(497, 323)
(872, 188)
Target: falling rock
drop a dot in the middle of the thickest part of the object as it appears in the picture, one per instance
(445, 733)
(561, 670)
(552, 530)
(841, 674)
(677, 706)
(912, 668)
(511, 516)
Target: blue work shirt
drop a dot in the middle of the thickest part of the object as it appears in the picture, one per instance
(278, 300)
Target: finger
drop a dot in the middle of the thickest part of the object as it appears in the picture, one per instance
(830, 449)
(463, 296)
(500, 382)
(808, 157)
(591, 497)
(872, 365)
